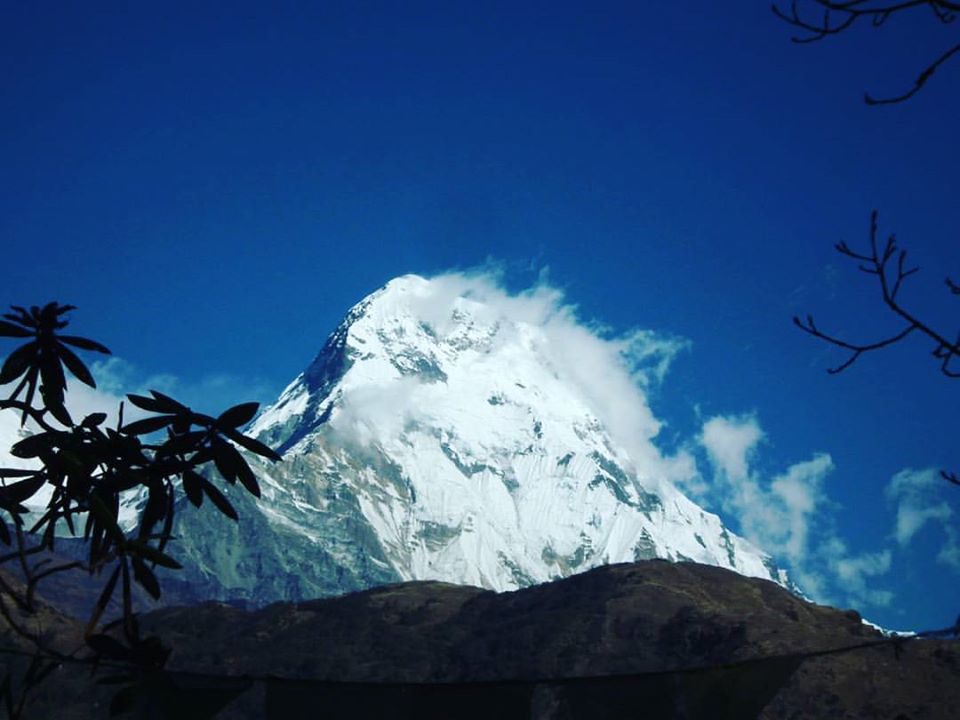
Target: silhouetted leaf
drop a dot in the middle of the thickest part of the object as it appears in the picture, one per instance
(238, 415)
(11, 330)
(218, 499)
(254, 446)
(108, 647)
(150, 652)
(33, 376)
(21, 316)
(232, 466)
(75, 365)
(166, 532)
(193, 487)
(57, 409)
(245, 475)
(32, 446)
(139, 548)
(106, 517)
(53, 385)
(103, 600)
(179, 444)
(53, 310)
(18, 362)
(94, 420)
(144, 575)
(154, 510)
(5, 533)
(19, 492)
(145, 403)
(182, 423)
(148, 425)
(168, 404)
(52, 377)
(16, 472)
(225, 461)
(83, 343)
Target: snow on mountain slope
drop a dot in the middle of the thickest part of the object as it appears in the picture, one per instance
(450, 431)
(466, 433)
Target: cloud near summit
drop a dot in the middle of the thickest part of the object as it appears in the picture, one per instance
(612, 372)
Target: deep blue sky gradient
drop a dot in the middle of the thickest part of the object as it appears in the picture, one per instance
(214, 187)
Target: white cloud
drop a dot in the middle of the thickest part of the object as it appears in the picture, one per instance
(651, 354)
(377, 413)
(950, 551)
(917, 496)
(800, 495)
(117, 378)
(854, 571)
(210, 393)
(911, 518)
(789, 515)
(730, 442)
(612, 372)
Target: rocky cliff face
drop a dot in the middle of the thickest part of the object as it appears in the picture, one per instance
(439, 435)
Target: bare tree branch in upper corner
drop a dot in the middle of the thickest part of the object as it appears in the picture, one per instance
(823, 18)
(889, 265)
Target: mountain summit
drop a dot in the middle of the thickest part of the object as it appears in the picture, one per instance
(449, 431)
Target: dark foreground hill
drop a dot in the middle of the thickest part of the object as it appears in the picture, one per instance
(616, 642)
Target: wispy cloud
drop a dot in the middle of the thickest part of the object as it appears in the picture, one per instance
(918, 500)
(207, 393)
(730, 443)
(789, 514)
(855, 572)
(117, 378)
(613, 373)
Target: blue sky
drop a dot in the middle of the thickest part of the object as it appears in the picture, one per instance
(215, 188)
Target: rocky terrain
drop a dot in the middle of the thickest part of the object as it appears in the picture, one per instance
(567, 649)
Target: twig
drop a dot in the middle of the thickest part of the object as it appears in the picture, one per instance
(836, 17)
(877, 263)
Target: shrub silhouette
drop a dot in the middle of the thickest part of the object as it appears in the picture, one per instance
(87, 469)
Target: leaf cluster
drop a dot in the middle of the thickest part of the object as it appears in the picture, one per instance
(89, 472)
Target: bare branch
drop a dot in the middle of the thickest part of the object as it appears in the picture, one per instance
(918, 84)
(891, 281)
(855, 349)
(837, 17)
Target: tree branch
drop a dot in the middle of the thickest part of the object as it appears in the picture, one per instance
(918, 84)
(837, 17)
(878, 263)
(891, 282)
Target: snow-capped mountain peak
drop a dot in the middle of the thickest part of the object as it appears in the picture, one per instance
(463, 433)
